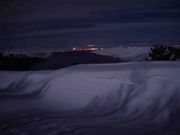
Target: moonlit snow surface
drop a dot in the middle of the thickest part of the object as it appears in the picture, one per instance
(106, 99)
(126, 53)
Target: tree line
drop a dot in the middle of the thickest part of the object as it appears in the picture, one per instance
(18, 62)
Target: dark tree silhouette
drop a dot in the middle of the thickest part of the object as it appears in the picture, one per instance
(161, 53)
(18, 62)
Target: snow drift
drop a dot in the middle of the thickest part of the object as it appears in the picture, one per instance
(109, 99)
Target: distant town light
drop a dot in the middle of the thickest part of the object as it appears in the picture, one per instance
(74, 49)
(88, 48)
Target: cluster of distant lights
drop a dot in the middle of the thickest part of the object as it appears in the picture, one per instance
(88, 48)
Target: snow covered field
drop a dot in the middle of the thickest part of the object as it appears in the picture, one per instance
(140, 98)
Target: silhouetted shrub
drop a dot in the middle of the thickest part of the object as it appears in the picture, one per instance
(161, 53)
(175, 50)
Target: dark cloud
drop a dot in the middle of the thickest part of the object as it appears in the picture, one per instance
(68, 22)
(34, 10)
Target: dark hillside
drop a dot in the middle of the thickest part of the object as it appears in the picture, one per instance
(63, 59)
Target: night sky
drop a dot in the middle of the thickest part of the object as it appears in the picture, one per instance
(68, 23)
